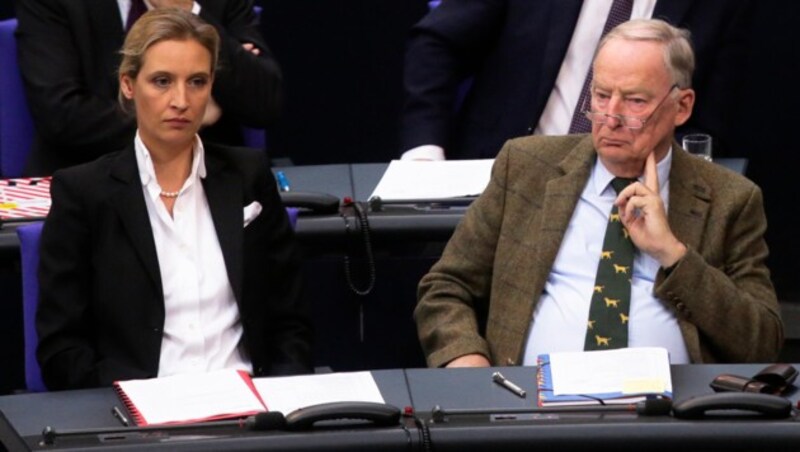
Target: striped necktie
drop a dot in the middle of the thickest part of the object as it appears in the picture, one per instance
(620, 12)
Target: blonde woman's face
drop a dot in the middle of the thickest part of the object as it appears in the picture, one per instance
(170, 93)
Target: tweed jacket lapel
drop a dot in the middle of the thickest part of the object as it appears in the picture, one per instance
(128, 200)
(225, 195)
(689, 199)
(560, 198)
(558, 204)
(689, 202)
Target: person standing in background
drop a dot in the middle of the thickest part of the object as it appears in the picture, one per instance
(529, 62)
(68, 55)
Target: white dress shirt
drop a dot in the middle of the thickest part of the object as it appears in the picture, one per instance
(202, 328)
(559, 320)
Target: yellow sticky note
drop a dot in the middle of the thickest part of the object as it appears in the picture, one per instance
(8, 205)
(643, 386)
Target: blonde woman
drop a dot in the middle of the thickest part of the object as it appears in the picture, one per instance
(173, 255)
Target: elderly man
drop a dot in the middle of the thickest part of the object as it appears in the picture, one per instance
(537, 257)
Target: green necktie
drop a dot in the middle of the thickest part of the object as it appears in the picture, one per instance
(607, 327)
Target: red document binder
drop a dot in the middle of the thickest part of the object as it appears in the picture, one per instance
(188, 398)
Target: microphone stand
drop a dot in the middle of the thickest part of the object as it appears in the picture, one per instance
(654, 407)
(263, 421)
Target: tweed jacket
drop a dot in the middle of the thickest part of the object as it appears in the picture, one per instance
(481, 295)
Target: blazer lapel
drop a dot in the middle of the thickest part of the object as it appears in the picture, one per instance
(689, 199)
(225, 196)
(128, 200)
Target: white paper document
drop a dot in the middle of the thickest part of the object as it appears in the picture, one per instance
(419, 180)
(622, 371)
(286, 394)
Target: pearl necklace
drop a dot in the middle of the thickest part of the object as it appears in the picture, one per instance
(169, 194)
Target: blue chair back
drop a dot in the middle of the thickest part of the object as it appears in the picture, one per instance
(29, 248)
(292, 213)
(16, 124)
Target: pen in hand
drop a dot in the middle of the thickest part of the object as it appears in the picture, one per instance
(117, 413)
(498, 378)
(283, 181)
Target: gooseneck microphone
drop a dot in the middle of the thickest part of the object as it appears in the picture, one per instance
(273, 420)
(650, 407)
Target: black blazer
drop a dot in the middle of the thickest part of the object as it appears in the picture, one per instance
(514, 50)
(101, 310)
(69, 54)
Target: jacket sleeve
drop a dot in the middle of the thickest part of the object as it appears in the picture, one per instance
(733, 305)
(444, 48)
(65, 352)
(455, 294)
(247, 87)
(287, 334)
(65, 107)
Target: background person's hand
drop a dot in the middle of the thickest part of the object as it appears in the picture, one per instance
(213, 112)
(250, 47)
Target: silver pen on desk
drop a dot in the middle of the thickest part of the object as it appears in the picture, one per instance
(117, 413)
(498, 378)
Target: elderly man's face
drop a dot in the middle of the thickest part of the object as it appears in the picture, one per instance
(631, 79)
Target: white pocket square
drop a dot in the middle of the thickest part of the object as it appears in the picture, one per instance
(251, 211)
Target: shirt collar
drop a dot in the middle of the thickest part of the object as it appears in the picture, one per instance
(603, 177)
(147, 173)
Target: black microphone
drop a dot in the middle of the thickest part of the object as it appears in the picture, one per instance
(649, 407)
(273, 420)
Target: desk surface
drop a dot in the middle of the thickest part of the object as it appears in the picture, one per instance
(23, 417)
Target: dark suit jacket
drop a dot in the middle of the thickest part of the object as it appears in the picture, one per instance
(501, 254)
(101, 310)
(69, 54)
(514, 50)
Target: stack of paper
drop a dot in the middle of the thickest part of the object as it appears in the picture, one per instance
(421, 180)
(626, 375)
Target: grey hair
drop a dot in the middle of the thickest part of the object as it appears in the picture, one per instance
(678, 53)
